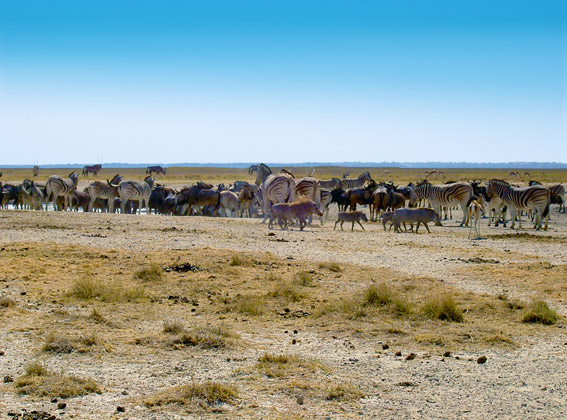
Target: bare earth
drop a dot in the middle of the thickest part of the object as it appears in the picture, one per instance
(523, 379)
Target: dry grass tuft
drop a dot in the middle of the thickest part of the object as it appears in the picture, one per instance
(87, 288)
(343, 392)
(379, 295)
(333, 267)
(304, 279)
(539, 312)
(149, 274)
(238, 261)
(96, 317)
(7, 302)
(247, 304)
(39, 381)
(286, 365)
(203, 395)
(208, 337)
(288, 291)
(63, 344)
(444, 309)
(173, 327)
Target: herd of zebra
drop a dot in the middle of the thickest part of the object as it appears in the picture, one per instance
(242, 198)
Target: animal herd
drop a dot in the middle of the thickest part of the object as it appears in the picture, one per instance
(281, 197)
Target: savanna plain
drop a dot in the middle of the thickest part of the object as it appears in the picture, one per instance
(110, 316)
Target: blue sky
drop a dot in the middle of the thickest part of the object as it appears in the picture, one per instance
(293, 81)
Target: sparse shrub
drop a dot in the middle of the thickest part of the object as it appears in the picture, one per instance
(7, 302)
(444, 309)
(343, 392)
(236, 261)
(209, 337)
(204, 395)
(247, 304)
(86, 288)
(149, 274)
(39, 381)
(58, 344)
(539, 312)
(402, 307)
(379, 295)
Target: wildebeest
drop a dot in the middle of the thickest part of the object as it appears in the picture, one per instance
(340, 197)
(197, 196)
(362, 195)
(155, 169)
(416, 215)
(351, 216)
(287, 212)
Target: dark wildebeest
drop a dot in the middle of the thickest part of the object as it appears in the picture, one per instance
(159, 200)
(379, 202)
(340, 197)
(246, 199)
(156, 170)
(395, 200)
(418, 215)
(351, 216)
(199, 196)
(93, 169)
(362, 195)
(287, 212)
(80, 199)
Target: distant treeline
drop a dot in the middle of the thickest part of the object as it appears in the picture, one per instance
(424, 165)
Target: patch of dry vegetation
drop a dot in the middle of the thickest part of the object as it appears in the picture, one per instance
(40, 382)
(88, 288)
(207, 395)
(539, 312)
(152, 273)
(7, 302)
(287, 365)
(64, 344)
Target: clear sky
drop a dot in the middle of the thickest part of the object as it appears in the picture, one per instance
(282, 81)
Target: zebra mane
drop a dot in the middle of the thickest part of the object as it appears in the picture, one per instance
(500, 181)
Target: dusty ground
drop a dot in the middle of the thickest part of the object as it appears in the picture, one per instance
(300, 294)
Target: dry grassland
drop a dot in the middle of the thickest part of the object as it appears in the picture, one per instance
(198, 317)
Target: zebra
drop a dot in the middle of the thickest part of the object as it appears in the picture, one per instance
(536, 197)
(444, 195)
(57, 186)
(275, 188)
(325, 202)
(94, 169)
(36, 194)
(310, 188)
(330, 184)
(558, 191)
(135, 191)
(108, 191)
(348, 183)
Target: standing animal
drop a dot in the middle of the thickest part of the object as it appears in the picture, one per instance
(417, 215)
(379, 202)
(331, 184)
(536, 197)
(93, 169)
(35, 171)
(136, 192)
(309, 187)
(476, 211)
(197, 196)
(105, 191)
(350, 183)
(57, 186)
(444, 195)
(325, 203)
(229, 203)
(351, 216)
(246, 200)
(36, 194)
(361, 196)
(276, 188)
(340, 197)
(287, 212)
(155, 170)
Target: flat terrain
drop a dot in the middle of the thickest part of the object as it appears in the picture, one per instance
(194, 317)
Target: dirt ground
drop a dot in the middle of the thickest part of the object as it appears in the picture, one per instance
(302, 296)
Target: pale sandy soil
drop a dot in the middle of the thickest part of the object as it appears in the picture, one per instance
(527, 382)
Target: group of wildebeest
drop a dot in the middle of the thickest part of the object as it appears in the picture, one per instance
(288, 200)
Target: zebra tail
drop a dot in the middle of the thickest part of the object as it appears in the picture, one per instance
(546, 211)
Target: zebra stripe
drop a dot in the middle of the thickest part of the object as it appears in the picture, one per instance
(275, 188)
(136, 191)
(444, 195)
(310, 188)
(57, 186)
(331, 184)
(559, 191)
(108, 191)
(517, 199)
(349, 183)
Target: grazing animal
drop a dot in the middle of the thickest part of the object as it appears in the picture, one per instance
(229, 202)
(155, 170)
(350, 183)
(351, 216)
(361, 196)
(444, 195)
(276, 188)
(536, 197)
(136, 192)
(246, 200)
(197, 196)
(36, 194)
(325, 203)
(379, 202)
(420, 215)
(105, 191)
(93, 169)
(388, 216)
(287, 212)
(309, 187)
(340, 197)
(331, 184)
(57, 186)
(35, 171)
(476, 211)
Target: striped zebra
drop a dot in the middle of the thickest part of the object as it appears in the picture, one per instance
(135, 191)
(57, 187)
(276, 188)
(558, 191)
(444, 195)
(108, 192)
(348, 183)
(330, 184)
(325, 202)
(535, 197)
(309, 187)
(92, 169)
(36, 194)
